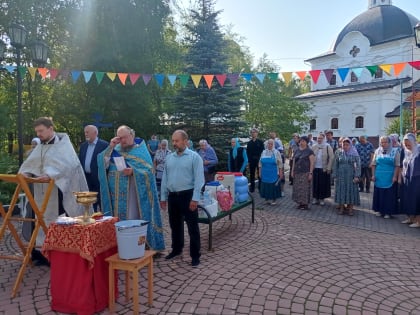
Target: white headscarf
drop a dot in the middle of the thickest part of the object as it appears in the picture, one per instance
(410, 155)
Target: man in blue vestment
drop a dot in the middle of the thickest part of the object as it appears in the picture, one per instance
(128, 185)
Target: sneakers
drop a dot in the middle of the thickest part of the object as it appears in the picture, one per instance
(172, 255)
(406, 221)
(315, 201)
(322, 203)
(273, 203)
(387, 216)
(195, 262)
(378, 214)
(414, 225)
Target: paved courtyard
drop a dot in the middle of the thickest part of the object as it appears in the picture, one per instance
(288, 262)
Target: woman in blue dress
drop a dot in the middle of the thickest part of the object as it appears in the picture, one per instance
(270, 172)
(385, 169)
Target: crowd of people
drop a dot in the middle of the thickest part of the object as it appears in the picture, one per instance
(135, 178)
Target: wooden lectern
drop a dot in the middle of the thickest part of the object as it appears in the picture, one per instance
(22, 184)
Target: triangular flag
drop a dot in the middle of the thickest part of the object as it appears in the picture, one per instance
(43, 72)
(32, 72)
(398, 68)
(133, 77)
(75, 74)
(146, 78)
(273, 76)
(196, 79)
(247, 76)
(260, 77)
(64, 74)
(122, 77)
(10, 68)
(99, 76)
(343, 72)
(233, 78)
(386, 68)
(287, 76)
(53, 74)
(415, 64)
(172, 78)
(209, 79)
(315, 75)
(372, 69)
(358, 71)
(221, 78)
(159, 77)
(111, 75)
(183, 78)
(301, 74)
(87, 75)
(328, 74)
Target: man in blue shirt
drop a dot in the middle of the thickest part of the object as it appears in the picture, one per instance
(182, 181)
(366, 151)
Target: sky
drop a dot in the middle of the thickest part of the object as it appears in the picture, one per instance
(290, 31)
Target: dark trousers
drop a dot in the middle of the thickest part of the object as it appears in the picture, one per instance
(93, 185)
(179, 210)
(365, 177)
(290, 170)
(253, 167)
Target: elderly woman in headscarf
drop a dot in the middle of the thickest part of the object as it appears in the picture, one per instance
(159, 161)
(210, 160)
(346, 170)
(321, 182)
(410, 181)
(302, 172)
(385, 168)
(270, 172)
(237, 158)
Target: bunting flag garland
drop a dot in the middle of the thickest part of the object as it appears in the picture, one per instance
(390, 69)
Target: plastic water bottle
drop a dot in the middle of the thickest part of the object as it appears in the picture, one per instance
(207, 199)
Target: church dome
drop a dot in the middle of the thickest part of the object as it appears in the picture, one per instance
(381, 24)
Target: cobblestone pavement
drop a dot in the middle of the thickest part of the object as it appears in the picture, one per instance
(288, 262)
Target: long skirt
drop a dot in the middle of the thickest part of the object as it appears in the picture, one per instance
(385, 200)
(270, 191)
(321, 184)
(302, 189)
(410, 197)
(346, 191)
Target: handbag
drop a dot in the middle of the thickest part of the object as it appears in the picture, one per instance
(225, 199)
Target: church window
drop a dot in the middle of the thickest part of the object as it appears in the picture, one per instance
(334, 123)
(359, 122)
(353, 78)
(379, 73)
(312, 124)
(333, 80)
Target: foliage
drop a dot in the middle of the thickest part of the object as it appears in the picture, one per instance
(8, 165)
(394, 126)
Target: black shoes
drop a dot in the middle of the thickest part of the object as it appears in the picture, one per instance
(172, 255)
(195, 262)
(39, 259)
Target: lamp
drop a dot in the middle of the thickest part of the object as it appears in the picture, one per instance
(417, 34)
(39, 52)
(17, 35)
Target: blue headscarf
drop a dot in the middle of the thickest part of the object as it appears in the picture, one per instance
(235, 148)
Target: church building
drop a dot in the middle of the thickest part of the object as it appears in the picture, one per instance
(358, 91)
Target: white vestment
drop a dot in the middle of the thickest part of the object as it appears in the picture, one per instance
(60, 162)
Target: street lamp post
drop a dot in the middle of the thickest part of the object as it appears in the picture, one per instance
(414, 96)
(39, 50)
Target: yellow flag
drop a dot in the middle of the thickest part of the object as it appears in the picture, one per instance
(386, 68)
(196, 79)
(32, 72)
(287, 76)
(111, 75)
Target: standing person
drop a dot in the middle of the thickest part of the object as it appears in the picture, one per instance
(159, 161)
(270, 172)
(365, 150)
(237, 158)
(88, 154)
(293, 147)
(153, 145)
(56, 159)
(34, 142)
(254, 148)
(385, 170)
(346, 168)
(324, 158)
(311, 141)
(331, 141)
(410, 181)
(302, 171)
(210, 160)
(182, 180)
(128, 189)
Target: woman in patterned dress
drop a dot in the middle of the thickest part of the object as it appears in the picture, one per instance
(346, 171)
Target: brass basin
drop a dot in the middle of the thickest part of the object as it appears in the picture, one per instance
(86, 197)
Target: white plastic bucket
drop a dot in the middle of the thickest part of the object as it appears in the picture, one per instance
(131, 238)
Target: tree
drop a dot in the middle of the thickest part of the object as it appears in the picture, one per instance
(394, 126)
(207, 113)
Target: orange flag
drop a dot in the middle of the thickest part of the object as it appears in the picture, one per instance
(196, 79)
(301, 74)
(209, 79)
(398, 68)
(287, 76)
(111, 75)
(43, 72)
(122, 77)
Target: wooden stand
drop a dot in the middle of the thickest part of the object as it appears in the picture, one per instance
(22, 185)
(133, 266)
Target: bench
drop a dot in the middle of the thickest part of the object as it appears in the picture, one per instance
(221, 214)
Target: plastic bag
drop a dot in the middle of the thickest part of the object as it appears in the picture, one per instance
(225, 199)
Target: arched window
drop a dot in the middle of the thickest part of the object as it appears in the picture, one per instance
(333, 80)
(359, 122)
(312, 124)
(334, 123)
(353, 77)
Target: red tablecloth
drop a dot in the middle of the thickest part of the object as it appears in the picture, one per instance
(79, 272)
